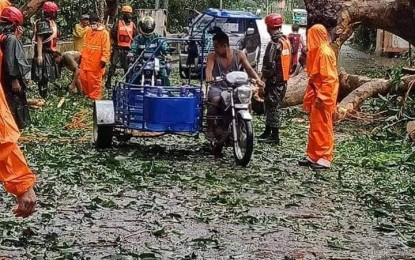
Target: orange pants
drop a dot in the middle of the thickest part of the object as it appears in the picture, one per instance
(91, 82)
(321, 136)
(14, 172)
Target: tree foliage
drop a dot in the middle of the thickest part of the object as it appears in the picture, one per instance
(178, 10)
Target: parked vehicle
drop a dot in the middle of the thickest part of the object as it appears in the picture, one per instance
(243, 35)
(300, 17)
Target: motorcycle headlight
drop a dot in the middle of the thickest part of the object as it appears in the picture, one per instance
(244, 94)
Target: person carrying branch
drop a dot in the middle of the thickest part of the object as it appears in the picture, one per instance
(71, 61)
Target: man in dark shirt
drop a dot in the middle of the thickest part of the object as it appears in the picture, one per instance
(15, 67)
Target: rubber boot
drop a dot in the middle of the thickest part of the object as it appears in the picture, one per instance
(108, 83)
(266, 134)
(274, 138)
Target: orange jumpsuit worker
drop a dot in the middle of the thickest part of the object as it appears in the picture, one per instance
(95, 55)
(320, 98)
(16, 176)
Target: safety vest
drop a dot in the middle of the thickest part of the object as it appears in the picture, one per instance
(285, 58)
(52, 40)
(125, 34)
(295, 39)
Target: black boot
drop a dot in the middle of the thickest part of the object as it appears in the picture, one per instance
(266, 134)
(108, 83)
(274, 138)
(43, 91)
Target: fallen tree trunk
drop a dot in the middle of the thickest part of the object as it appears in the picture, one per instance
(370, 89)
(410, 129)
(31, 7)
(297, 85)
(353, 91)
(343, 16)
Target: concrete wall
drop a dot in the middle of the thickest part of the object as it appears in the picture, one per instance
(387, 42)
(68, 46)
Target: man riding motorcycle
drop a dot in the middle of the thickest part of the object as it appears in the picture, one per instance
(148, 42)
(219, 63)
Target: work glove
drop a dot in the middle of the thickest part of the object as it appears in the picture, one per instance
(102, 64)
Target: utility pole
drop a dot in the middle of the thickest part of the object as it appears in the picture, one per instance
(157, 4)
(221, 4)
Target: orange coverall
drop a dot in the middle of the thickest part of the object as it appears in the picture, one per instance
(14, 172)
(96, 49)
(323, 87)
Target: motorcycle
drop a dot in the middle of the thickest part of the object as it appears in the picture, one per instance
(145, 73)
(233, 124)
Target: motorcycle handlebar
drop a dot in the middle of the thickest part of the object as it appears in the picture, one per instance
(220, 79)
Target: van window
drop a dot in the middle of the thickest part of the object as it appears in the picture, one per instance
(251, 24)
(228, 25)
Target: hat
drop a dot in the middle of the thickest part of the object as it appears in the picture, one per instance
(85, 17)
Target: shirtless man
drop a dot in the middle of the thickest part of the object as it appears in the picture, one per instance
(220, 62)
(70, 60)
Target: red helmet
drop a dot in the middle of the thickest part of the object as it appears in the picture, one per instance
(273, 20)
(12, 14)
(50, 7)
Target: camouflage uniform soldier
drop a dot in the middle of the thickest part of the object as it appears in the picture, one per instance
(275, 71)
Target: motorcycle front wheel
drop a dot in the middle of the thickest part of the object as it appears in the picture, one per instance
(244, 145)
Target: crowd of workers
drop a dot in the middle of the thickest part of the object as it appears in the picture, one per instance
(91, 54)
(93, 51)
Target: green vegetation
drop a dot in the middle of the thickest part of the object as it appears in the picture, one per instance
(365, 39)
(178, 11)
(169, 198)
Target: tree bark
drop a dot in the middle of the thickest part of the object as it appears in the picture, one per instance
(353, 91)
(343, 16)
(112, 8)
(370, 89)
(410, 129)
(101, 6)
(297, 85)
(31, 7)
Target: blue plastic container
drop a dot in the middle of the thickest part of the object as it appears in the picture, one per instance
(159, 109)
